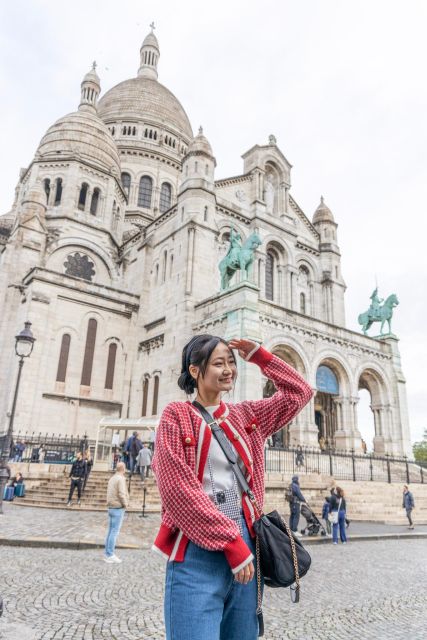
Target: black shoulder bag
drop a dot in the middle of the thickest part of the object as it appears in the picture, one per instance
(281, 557)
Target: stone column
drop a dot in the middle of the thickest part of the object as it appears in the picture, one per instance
(378, 440)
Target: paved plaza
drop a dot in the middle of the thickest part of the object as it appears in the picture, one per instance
(372, 589)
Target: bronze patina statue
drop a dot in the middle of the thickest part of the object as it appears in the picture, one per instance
(378, 313)
(238, 257)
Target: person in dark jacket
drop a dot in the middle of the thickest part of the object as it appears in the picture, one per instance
(299, 457)
(337, 503)
(133, 447)
(325, 513)
(408, 504)
(296, 500)
(18, 479)
(77, 475)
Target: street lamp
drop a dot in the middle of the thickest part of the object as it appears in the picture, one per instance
(24, 343)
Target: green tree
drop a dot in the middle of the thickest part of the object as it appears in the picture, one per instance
(420, 449)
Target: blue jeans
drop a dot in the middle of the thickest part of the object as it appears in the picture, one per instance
(115, 519)
(341, 525)
(203, 600)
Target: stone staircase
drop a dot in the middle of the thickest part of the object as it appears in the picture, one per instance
(53, 493)
(367, 501)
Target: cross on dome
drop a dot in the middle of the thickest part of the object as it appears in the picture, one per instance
(94, 65)
(152, 26)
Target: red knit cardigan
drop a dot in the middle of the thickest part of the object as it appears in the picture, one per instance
(182, 445)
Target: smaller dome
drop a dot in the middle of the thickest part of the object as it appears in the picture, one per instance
(200, 144)
(323, 213)
(81, 135)
(150, 41)
(92, 76)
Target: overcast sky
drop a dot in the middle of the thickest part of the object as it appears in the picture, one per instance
(342, 86)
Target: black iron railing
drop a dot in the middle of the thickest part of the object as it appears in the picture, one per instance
(343, 465)
(57, 449)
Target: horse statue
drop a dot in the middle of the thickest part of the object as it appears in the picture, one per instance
(238, 257)
(378, 313)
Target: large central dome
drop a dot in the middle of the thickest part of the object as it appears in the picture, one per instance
(144, 98)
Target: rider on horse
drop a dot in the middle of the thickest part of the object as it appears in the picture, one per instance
(374, 309)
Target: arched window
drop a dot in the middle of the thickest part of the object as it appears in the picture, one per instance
(94, 201)
(144, 192)
(145, 397)
(83, 196)
(269, 276)
(58, 191)
(111, 363)
(46, 183)
(63, 358)
(89, 353)
(165, 197)
(302, 302)
(155, 395)
(126, 183)
(326, 380)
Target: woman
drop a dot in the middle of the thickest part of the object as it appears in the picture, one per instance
(337, 504)
(206, 531)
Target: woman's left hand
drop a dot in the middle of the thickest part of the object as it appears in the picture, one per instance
(243, 346)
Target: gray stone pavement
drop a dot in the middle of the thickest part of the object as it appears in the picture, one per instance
(34, 524)
(374, 590)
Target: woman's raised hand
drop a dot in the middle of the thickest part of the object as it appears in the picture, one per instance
(243, 346)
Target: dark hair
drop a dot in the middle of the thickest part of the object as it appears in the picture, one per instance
(197, 351)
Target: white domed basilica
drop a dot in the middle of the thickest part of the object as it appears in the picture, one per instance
(111, 251)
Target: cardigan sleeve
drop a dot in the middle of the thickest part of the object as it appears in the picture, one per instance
(292, 394)
(183, 497)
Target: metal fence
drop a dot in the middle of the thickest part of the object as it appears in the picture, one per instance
(343, 465)
(57, 449)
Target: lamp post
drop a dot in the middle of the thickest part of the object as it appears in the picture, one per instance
(24, 343)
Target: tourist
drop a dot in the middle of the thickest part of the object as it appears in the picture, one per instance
(77, 475)
(322, 443)
(338, 506)
(143, 461)
(18, 451)
(408, 504)
(295, 503)
(133, 447)
(299, 457)
(117, 503)
(17, 479)
(206, 530)
(325, 514)
(41, 454)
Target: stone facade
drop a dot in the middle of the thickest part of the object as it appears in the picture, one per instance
(111, 250)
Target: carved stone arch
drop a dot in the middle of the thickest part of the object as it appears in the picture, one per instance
(371, 379)
(95, 252)
(293, 357)
(309, 264)
(281, 244)
(101, 322)
(295, 351)
(114, 339)
(341, 368)
(224, 227)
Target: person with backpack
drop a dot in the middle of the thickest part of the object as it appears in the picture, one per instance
(408, 505)
(133, 447)
(295, 497)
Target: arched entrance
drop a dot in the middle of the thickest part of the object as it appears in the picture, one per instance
(373, 410)
(290, 356)
(325, 406)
